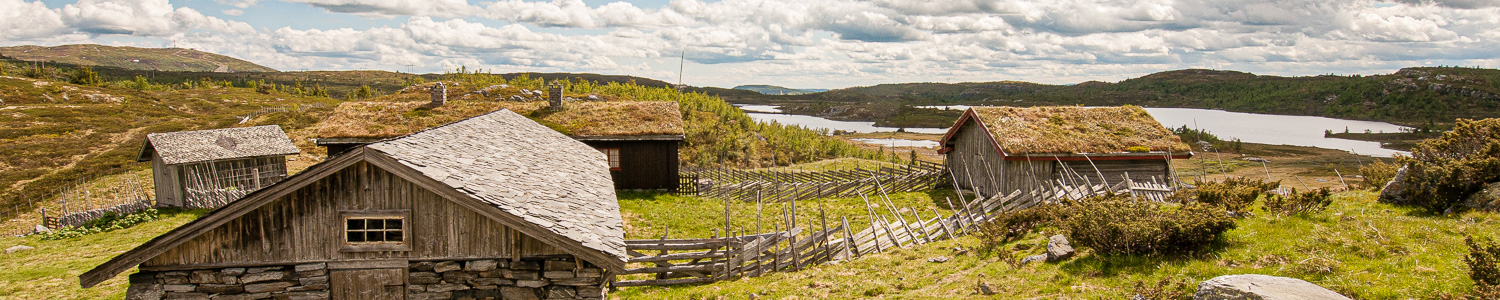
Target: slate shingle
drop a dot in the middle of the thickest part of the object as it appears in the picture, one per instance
(218, 144)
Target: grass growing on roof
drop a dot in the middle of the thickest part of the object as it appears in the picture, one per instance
(1076, 129)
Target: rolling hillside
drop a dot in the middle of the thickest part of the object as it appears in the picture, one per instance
(777, 90)
(157, 59)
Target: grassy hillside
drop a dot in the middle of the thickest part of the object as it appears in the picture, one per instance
(157, 59)
(775, 90)
(1358, 247)
(1411, 96)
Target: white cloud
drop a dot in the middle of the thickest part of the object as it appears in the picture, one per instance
(20, 20)
(233, 12)
(437, 8)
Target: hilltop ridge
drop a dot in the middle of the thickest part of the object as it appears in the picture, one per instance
(134, 58)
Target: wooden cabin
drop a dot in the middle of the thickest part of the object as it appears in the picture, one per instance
(495, 206)
(207, 168)
(640, 138)
(994, 150)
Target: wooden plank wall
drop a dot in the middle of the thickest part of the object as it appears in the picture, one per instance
(643, 164)
(1115, 170)
(975, 163)
(306, 226)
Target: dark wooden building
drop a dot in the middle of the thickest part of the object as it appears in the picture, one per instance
(640, 138)
(996, 150)
(495, 206)
(207, 168)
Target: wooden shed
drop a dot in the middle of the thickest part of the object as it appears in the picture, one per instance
(995, 150)
(207, 168)
(640, 138)
(495, 206)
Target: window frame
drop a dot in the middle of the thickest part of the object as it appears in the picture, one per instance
(343, 232)
(612, 157)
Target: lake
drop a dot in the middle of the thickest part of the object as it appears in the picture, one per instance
(1248, 127)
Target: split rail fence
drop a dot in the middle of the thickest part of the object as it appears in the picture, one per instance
(740, 254)
(781, 186)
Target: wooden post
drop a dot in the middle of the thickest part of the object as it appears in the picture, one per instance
(874, 233)
(850, 244)
(1341, 179)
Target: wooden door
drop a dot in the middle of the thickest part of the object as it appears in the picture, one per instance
(367, 284)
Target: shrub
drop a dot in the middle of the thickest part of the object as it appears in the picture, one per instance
(1234, 195)
(1443, 172)
(85, 76)
(108, 222)
(1297, 203)
(1114, 225)
(1483, 261)
(1377, 174)
(1006, 227)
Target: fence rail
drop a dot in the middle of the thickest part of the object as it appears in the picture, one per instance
(780, 186)
(737, 255)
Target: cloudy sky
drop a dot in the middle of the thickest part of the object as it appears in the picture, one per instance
(793, 43)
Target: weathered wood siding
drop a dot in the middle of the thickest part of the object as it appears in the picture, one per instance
(1114, 170)
(974, 160)
(166, 181)
(643, 164)
(307, 226)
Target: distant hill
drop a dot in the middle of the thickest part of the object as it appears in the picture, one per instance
(157, 59)
(776, 90)
(1411, 96)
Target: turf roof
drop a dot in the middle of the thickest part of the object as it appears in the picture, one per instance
(404, 113)
(1076, 129)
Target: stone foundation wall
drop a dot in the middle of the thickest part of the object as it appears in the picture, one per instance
(505, 279)
(473, 279)
(306, 281)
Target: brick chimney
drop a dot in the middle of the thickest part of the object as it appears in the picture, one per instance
(554, 96)
(439, 95)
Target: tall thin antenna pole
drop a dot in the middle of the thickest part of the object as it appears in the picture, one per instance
(681, 61)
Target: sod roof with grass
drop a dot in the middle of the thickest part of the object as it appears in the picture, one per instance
(407, 112)
(1074, 129)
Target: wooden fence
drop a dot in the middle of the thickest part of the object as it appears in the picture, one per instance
(737, 255)
(780, 186)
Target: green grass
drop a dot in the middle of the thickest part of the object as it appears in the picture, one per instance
(1360, 248)
(51, 270)
(648, 215)
(161, 59)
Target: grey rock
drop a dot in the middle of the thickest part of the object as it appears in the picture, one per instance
(1034, 258)
(315, 287)
(446, 266)
(307, 295)
(263, 276)
(185, 296)
(424, 278)
(430, 296)
(413, 288)
(233, 271)
(446, 287)
(522, 275)
(18, 248)
(204, 276)
(525, 265)
(221, 288)
(143, 291)
(480, 265)
(532, 283)
(1058, 248)
(264, 269)
(1261, 287)
(558, 274)
(560, 265)
(243, 296)
(490, 281)
(424, 266)
(1488, 196)
(590, 291)
(510, 292)
(459, 277)
(313, 280)
(580, 281)
(310, 267)
(1393, 190)
(561, 292)
(492, 274)
(40, 229)
(179, 288)
(939, 259)
(590, 272)
(267, 287)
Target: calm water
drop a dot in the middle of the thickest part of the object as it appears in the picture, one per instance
(900, 143)
(1248, 127)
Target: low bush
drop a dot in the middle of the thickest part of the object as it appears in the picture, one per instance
(1298, 203)
(1443, 172)
(1006, 227)
(1234, 195)
(106, 223)
(1483, 261)
(1377, 174)
(1115, 225)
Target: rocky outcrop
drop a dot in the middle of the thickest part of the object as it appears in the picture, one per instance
(1488, 197)
(1261, 287)
(1393, 192)
(1058, 248)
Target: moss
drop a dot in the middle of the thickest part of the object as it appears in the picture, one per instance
(1075, 129)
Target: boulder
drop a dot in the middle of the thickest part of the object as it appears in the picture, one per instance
(1261, 287)
(446, 266)
(1034, 258)
(1487, 197)
(17, 248)
(1058, 248)
(40, 229)
(1393, 190)
(480, 265)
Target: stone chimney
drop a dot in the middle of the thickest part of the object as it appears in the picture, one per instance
(439, 95)
(554, 96)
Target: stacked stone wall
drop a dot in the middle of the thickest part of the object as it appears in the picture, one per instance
(557, 278)
(304, 281)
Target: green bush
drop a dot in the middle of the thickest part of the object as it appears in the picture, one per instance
(1234, 195)
(1483, 261)
(1377, 174)
(85, 76)
(1115, 225)
(1443, 172)
(108, 222)
(1298, 203)
(1006, 227)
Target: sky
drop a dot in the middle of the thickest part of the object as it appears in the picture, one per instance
(792, 43)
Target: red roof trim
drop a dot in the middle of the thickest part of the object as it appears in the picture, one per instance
(1096, 157)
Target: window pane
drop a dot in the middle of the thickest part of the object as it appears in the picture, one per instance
(393, 236)
(393, 224)
(355, 224)
(375, 224)
(375, 236)
(356, 237)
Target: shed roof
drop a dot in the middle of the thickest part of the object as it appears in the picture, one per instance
(502, 165)
(525, 169)
(399, 114)
(217, 144)
(1071, 129)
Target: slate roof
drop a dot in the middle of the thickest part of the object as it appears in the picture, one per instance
(522, 168)
(1072, 129)
(217, 144)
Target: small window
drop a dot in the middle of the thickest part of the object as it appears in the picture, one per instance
(614, 157)
(374, 230)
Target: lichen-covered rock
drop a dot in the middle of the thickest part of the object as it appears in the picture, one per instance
(446, 266)
(1487, 197)
(1058, 248)
(480, 265)
(18, 248)
(1261, 287)
(1393, 192)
